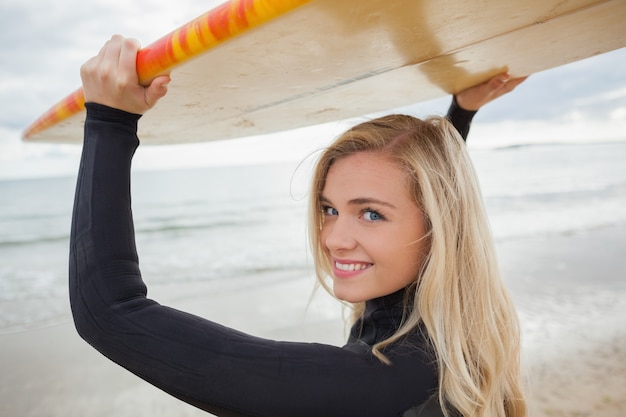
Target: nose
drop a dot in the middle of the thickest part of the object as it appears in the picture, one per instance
(338, 234)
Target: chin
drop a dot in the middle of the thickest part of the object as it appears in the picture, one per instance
(348, 297)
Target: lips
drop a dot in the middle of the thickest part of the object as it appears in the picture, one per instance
(345, 268)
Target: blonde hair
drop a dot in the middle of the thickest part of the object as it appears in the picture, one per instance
(459, 295)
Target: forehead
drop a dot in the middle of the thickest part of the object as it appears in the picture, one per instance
(367, 174)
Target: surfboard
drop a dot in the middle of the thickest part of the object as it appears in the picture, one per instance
(251, 67)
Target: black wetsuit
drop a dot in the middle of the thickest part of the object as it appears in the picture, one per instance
(215, 368)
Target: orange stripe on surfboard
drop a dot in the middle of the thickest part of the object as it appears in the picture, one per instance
(199, 35)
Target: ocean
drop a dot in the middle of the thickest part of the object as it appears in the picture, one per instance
(218, 224)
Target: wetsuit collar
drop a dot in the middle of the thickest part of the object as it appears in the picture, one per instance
(382, 317)
(388, 302)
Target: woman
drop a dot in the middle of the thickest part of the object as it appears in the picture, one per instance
(396, 209)
(396, 221)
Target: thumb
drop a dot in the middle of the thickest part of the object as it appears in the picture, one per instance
(156, 90)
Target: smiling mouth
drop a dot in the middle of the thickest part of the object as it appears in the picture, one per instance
(352, 266)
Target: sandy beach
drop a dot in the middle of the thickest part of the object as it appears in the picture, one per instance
(570, 291)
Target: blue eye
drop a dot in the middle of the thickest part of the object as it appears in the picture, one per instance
(329, 211)
(372, 215)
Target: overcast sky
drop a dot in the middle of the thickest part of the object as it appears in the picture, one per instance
(45, 42)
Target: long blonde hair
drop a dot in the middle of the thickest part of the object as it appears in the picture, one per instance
(459, 295)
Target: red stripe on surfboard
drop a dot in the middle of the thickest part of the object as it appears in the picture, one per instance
(218, 22)
(182, 41)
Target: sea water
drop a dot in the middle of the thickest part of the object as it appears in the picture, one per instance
(220, 223)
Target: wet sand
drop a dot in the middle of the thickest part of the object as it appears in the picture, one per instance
(570, 291)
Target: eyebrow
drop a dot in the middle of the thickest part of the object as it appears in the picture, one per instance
(361, 201)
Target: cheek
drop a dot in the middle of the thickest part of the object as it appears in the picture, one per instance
(414, 253)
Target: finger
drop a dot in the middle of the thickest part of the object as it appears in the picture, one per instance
(128, 61)
(497, 83)
(517, 81)
(96, 71)
(110, 54)
(511, 85)
(91, 66)
(497, 80)
(103, 52)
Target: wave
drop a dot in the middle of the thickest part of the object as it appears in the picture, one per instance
(140, 230)
(539, 145)
(35, 240)
(194, 226)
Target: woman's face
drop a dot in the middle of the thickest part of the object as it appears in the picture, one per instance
(373, 231)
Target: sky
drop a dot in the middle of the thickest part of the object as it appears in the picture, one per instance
(45, 42)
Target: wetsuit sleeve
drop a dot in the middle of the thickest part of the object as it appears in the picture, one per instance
(215, 368)
(461, 119)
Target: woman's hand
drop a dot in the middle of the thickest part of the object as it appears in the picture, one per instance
(473, 98)
(110, 78)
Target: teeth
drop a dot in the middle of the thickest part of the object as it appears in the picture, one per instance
(351, 267)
